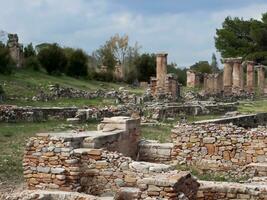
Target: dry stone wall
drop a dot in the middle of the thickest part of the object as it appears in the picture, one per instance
(224, 190)
(219, 147)
(64, 161)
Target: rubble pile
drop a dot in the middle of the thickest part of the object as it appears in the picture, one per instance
(58, 92)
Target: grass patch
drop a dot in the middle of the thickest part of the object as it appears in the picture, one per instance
(13, 138)
(192, 118)
(26, 83)
(211, 176)
(157, 132)
(257, 106)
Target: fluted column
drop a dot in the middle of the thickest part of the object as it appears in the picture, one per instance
(250, 77)
(237, 75)
(261, 78)
(161, 71)
(227, 75)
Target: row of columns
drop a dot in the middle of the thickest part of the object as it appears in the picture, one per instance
(233, 78)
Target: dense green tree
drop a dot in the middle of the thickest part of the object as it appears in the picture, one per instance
(214, 63)
(202, 67)
(244, 38)
(180, 73)
(29, 51)
(77, 64)
(146, 66)
(6, 62)
(53, 59)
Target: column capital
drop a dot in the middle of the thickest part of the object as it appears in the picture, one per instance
(233, 60)
(162, 54)
(250, 62)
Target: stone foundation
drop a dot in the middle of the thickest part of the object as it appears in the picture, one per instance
(226, 191)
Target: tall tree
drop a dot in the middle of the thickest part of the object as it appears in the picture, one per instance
(214, 63)
(245, 38)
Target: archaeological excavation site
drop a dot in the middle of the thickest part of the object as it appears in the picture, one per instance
(88, 113)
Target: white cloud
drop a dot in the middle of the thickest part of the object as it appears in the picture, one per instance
(187, 37)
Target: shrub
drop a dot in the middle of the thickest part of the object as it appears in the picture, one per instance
(53, 59)
(32, 63)
(77, 64)
(6, 62)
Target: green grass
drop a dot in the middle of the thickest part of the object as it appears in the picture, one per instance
(258, 106)
(211, 176)
(192, 118)
(157, 132)
(26, 84)
(13, 137)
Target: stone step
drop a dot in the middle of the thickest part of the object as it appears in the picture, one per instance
(256, 169)
(147, 167)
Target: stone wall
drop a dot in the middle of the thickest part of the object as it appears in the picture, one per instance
(164, 111)
(225, 190)
(35, 114)
(219, 147)
(64, 161)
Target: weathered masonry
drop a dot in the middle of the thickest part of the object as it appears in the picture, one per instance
(232, 80)
(164, 85)
(102, 163)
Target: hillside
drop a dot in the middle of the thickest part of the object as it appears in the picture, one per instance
(22, 85)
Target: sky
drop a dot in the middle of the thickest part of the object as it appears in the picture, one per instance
(185, 29)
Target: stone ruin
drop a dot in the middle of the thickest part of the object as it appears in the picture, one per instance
(15, 49)
(101, 163)
(193, 79)
(232, 80)
(164, 85)
(113, 163)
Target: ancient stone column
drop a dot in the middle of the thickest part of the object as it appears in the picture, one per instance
(250, 76)
(161, 71)
(237, 75)
(261, 78)
(227, 75)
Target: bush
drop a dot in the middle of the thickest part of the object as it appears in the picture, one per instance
(77, 64)
(6, 62)
(53, 59)
(32, 63)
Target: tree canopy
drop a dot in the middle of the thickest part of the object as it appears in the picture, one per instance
(243, 38)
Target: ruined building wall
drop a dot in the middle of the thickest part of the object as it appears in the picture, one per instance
(227, 191)
(213, 83)
(219, 147)
(61, 161)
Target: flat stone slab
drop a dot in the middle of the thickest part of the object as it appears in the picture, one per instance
(231, 187)
(55, 195)
(146, 167)
(78, 135)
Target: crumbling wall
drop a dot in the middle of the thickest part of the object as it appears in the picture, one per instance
(60, 161)
(219, 147)
(37, 114)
